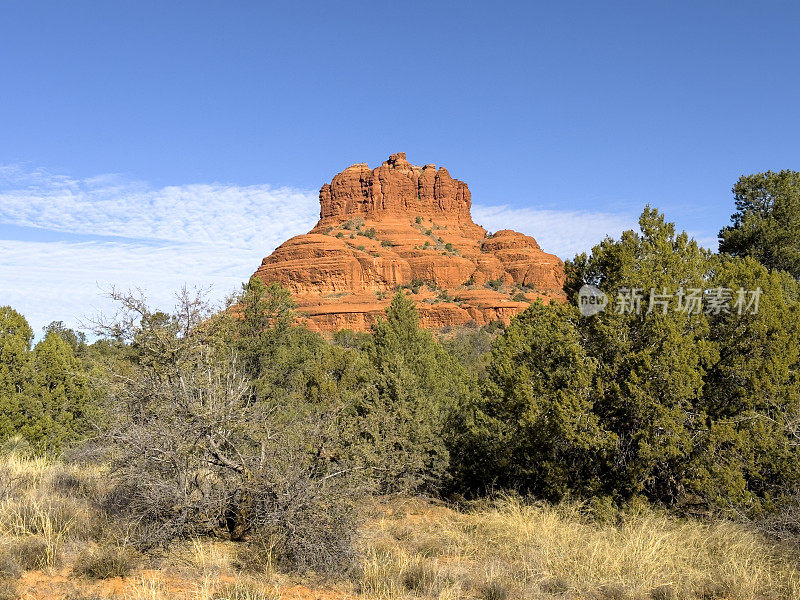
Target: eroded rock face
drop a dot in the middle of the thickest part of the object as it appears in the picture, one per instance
(404, 225)
(396, 188)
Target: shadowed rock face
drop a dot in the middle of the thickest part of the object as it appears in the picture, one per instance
(404, 225)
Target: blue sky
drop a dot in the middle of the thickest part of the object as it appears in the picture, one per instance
(155, 143)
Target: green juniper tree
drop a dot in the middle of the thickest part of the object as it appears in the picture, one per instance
(16, 370)
(747, 451)
(419, 386)
(651, 363)
(45, 396)
(538, 408)
(680, 406)
(63, 397)
(75, 339)
(766, 224)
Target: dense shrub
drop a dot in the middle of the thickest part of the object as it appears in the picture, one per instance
(536, 424)
(254, 427)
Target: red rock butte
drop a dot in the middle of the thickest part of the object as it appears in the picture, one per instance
(400, 226)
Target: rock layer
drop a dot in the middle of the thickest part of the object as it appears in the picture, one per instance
(404, 226)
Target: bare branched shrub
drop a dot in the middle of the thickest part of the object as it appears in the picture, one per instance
(196, 450)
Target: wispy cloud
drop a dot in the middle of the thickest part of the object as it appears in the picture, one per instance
(240, 216)
(561, 232)
(154, 239)
(66, 281)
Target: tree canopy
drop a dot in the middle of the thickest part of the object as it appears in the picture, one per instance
(679, 406)
(766, 224)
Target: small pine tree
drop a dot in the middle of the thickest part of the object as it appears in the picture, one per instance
(16, 402)
(62, 392)
(419, 384)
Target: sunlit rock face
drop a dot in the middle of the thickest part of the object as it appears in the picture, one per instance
(401, 225)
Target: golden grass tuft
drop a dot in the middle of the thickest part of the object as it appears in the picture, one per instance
(38, 508)
(145, 588)
(210, 556)
(513, 549)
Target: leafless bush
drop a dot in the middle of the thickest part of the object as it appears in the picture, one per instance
(195, 451)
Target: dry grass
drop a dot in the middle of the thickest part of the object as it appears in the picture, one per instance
(145, 588)
(243, 589)
(515, 550)
(211, 556)
(409, 549)
(43, 505)
(209, 588)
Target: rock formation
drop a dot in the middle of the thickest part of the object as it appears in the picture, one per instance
(404, 226)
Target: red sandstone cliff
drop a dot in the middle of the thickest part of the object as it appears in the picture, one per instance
(404, 225)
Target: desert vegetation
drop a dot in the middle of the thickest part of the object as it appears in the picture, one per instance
(59, 542)
(228, 452)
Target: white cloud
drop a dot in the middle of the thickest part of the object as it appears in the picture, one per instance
(564, 233)
(66, 281)
(240, 216)
(200, 234)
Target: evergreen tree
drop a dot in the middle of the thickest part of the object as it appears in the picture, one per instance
(766, 224)
(540, 400)
(747, 451)
(63, 398)
(676, 404)
(651, 363)
(16, 403)
(75, 339)
(420, 385)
